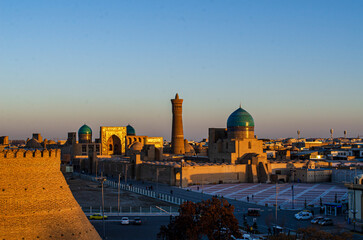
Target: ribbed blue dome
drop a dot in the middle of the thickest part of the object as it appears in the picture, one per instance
(130, 130)
(240, 118)
(85, 130)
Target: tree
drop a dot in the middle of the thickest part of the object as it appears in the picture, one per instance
(213, 218)
(184, 226)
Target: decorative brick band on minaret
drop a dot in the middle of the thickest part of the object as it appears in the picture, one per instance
(177, 136)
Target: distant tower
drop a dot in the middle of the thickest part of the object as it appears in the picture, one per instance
(298, 134)
(177, 136)
(345, 133)
(331, 133)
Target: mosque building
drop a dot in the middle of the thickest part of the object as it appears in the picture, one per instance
(234, 153)
(115, 143)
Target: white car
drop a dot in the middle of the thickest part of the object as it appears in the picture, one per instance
(244, 237)
(125, 221)
(303, 215)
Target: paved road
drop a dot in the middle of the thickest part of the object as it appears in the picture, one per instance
(267, 218)
(115, 231)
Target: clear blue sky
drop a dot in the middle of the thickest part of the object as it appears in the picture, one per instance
(292, 64)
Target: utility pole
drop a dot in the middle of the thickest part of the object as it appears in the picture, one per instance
(292, 187)
(276, 203)
(96, 167)
(102, 180)
(157, 181)
(118, 194)
(125, 173)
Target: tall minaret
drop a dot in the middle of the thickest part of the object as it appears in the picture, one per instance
(177, 135)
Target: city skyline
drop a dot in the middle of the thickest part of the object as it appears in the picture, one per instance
(292, 65)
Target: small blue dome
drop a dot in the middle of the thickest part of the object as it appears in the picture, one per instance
(130, 130)
(240, 118)
(85, 130)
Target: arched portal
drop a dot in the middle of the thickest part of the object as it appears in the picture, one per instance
(114, 144)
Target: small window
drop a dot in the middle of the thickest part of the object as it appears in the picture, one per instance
(84, 148)
(110, 147)
(249, 145)
(90, 148)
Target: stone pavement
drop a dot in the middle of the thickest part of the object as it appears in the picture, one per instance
(262, 194)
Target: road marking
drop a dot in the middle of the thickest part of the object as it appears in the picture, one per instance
(214, 193)
(322, 195)
(274, 195)
(300, 194)
(344, 196)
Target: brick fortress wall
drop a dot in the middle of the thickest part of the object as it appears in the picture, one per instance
(35, 200)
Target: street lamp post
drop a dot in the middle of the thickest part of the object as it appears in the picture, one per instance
(102, 180)
(125, 173)
(157, 181)
(354, 209)
(292, 187)
(276, 202)
(118, 194)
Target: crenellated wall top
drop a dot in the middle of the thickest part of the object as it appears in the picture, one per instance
(22, 153)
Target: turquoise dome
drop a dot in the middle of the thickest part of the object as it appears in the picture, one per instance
(85, 130)
(240, 118)
(130, 130)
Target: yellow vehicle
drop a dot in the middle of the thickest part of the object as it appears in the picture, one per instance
(96, 216)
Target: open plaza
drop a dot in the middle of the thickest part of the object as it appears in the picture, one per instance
(287, 195)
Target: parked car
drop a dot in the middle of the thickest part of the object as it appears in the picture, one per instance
(137, 221)
(316, 220)
(303, 216)
(96, 216)
(277, 229)
(326, 222)
(125, 221)
(244, 237)
(253, 212)
(303, 211)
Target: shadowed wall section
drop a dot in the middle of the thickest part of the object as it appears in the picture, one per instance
(35, 200)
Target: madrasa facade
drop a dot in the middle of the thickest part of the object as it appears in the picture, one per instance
(235, 155)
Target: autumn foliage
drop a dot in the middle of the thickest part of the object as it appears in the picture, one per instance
(212, 218)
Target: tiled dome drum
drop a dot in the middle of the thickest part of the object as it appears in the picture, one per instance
(240, 124)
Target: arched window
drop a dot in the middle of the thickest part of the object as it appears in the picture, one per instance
(110, 147)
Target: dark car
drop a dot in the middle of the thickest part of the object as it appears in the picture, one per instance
(326, 222)
(137, 221)
(316, 220)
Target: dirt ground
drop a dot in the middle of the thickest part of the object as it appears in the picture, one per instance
(90, 194)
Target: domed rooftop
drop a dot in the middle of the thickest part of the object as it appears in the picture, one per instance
(240, 118)
(85, 130)
(188, 148)
(130, 130)
(33, 143)
(136, 146)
